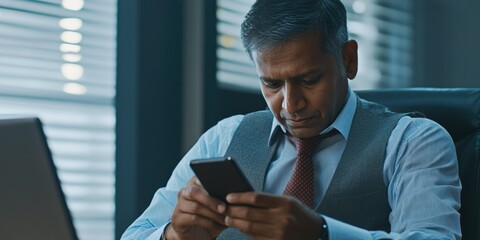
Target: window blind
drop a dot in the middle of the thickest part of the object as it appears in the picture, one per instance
(382, 28)
(57, 61)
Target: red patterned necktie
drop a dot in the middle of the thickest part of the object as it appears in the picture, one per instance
(301, 183)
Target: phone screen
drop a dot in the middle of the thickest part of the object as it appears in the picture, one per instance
(220, 176)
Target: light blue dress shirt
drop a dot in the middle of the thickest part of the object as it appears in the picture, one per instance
(420, 173)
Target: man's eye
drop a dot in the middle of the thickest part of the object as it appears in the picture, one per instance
(309, 82)
(272, 84)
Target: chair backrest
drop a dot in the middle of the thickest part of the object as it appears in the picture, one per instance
(458, 111)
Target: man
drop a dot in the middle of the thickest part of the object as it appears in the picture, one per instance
(375, 174)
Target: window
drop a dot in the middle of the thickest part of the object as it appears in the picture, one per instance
(382, 28)
(57, 61)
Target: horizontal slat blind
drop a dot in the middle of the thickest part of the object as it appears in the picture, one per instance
(382, 28)
(57, 61)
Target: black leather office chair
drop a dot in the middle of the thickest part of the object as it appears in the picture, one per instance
(458, 111)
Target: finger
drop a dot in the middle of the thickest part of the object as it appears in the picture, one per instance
(197, 193)
(253, 229)
(196, 181)
(184, 222)
(252, 214)
(194, 208)
(256, 199)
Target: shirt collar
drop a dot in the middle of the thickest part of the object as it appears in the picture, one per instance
(342, 123)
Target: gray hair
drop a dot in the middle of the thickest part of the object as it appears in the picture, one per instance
(270, 23)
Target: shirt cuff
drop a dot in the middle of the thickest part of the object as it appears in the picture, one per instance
(158, 234)
(339, 230)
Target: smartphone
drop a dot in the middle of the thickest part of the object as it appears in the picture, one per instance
(220, 176)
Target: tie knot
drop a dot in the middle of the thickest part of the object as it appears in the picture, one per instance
(306, 146)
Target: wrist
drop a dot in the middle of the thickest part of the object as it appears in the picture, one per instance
(168, 233)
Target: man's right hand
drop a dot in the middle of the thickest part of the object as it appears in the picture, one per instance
(197, 215)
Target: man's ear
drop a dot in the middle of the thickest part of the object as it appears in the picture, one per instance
(350, 58)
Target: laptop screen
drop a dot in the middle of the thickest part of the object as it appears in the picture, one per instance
(32, 204)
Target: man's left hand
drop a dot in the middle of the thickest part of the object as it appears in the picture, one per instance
(265, 216)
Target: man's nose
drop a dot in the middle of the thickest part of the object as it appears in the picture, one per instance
(293, 99)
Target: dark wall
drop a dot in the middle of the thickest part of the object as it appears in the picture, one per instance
(446, 43)
(148, 102)
(230, 102)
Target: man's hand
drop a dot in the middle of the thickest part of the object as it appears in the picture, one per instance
(264, 216)
(196, 215)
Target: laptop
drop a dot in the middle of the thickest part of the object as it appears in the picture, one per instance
(32, 204)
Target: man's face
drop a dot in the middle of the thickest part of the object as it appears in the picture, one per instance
(302, 84)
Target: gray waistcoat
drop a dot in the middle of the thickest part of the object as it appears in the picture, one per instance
(357, 193)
